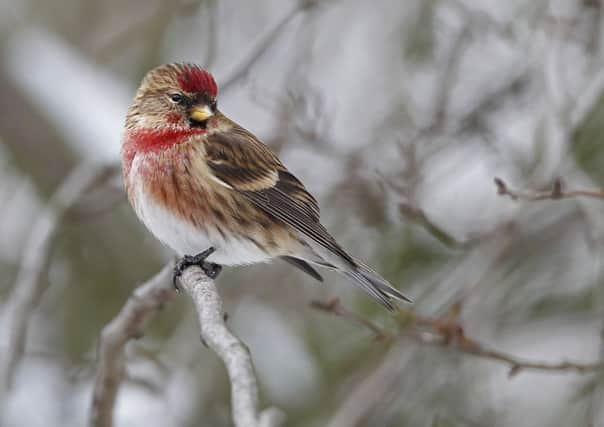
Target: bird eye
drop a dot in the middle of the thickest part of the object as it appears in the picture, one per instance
(176, 98)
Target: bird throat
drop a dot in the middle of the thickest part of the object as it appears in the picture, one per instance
(156, 140)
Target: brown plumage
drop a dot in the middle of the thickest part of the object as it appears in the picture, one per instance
(199, 180)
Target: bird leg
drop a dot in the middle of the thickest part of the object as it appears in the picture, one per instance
(209, 268)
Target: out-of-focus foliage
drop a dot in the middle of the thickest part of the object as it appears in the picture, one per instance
(588, 148)
(397, 115)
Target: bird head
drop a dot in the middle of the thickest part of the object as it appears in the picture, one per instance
(174, 96)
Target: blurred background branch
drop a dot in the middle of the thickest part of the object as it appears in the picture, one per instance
(557, 192)
(28, 286)
(243, 68)
(448, 332)
(145, 301)
(397, 116)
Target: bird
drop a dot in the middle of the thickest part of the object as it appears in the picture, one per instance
(217, 195)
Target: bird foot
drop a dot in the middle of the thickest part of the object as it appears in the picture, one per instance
(209, 268)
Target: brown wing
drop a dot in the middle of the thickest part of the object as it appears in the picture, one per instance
(239, 160)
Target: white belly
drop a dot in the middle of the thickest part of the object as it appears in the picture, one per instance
(186, 239)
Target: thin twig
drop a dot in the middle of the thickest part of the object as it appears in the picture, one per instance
(375, 391)
(449, 333)
(585, 102)
(557, 192)
(262, 47)
(145, 301)
(418, 215)
(516, 364)
(28, 285)
(449, 76)
(234, 354)
(333, 306)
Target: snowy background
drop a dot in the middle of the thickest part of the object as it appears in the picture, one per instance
(382, 108)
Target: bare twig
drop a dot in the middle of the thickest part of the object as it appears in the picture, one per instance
(234, 354)
(374, 391)
(449, 333)
(145, 301)
(333, 306)
(418, 215)
(516, 364)
(557, 192)
(28, 286)
(263, 46)
(587, 99)
(449, 76)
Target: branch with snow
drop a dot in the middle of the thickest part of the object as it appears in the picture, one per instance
(28, 285)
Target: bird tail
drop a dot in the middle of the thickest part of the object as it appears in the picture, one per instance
(375, 285)
(359, 274)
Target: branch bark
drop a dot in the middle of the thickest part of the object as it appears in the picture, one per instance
(449, 333)
(234, 354)
(145, 301)
(557, 192)
(28, 286)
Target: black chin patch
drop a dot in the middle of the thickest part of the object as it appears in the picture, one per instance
(198, 125)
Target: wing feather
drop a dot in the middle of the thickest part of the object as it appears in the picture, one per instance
(244, 163)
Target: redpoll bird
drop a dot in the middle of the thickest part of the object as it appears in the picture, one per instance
(204, 185)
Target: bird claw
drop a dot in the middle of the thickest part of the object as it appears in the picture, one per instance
(209, 268)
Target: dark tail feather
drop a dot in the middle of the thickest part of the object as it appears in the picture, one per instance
(375, 285)
(382, 284)
(304, 266)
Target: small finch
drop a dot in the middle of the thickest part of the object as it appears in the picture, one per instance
(215, 194)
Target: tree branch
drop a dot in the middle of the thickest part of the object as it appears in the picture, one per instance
(234, 354)
(370, 394)
(449, 333)
(28, 286)
(557, 192)
(333, 306)
(145, 301)
(417, 215)
(263, 46)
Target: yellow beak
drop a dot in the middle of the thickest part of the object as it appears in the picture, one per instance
(200, 113)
